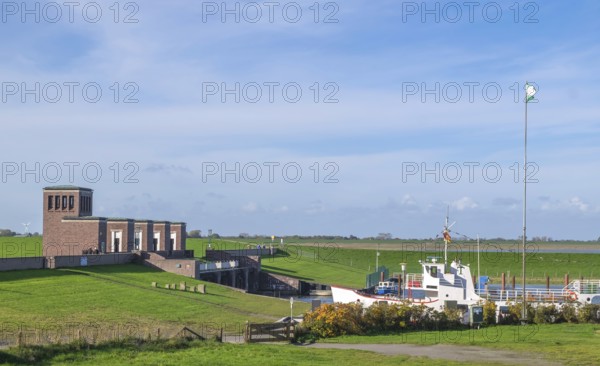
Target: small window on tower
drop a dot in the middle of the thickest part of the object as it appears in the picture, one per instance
(57, 202)
(64, 202)
(50, 202)
(71, 202)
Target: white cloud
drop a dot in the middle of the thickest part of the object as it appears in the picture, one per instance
(464, 203)
(250, 207)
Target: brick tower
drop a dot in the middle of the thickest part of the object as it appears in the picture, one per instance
(68, 202)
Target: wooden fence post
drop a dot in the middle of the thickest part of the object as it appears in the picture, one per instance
(20, 341)
(247, 337)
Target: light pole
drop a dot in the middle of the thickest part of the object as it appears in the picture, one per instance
(377, 259)
(403, 266)
(529, 93)
(291, 309)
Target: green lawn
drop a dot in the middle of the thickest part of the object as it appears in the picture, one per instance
(569, 344)
(11, 247)
(572, 344)
(122, 295)
(209, 353)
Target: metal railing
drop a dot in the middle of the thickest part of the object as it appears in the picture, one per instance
(532, 295)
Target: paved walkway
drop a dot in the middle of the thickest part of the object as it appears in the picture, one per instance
(447, 352)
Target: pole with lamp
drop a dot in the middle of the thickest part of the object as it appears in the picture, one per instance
(403, 267)
(377, 259)
(529, 93)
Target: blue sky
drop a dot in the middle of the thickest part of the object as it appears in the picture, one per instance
(360, 145)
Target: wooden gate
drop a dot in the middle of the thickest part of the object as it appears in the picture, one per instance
(271, 332)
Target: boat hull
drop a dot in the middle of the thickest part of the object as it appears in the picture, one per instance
(347, 296)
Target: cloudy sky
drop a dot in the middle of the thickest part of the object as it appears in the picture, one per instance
(353, 117)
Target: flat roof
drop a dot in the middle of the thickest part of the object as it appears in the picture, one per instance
(67, 188)
(84, 218)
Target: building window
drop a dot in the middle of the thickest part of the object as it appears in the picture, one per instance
(57, 202)
(71, 202)
(64, 202)
(50, 201)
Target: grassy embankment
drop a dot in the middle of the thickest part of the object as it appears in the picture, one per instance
(330, 263)
(118, 295)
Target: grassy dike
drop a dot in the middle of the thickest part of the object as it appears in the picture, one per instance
(330, 263)
(106, 296)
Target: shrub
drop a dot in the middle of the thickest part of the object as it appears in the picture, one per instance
(332, 320)
(589, 313)
(489, 313)
(547, 314)
(569, 313)
(380, 317)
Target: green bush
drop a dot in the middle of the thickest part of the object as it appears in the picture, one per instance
(589, 313)
(332, 320)
(569, 313)
(547, 314)
(489, 313)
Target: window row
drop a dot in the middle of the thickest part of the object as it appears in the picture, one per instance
(85, 204)
(61, 202)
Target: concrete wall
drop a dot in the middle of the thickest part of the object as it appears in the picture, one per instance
(15, 264)
(247, 258)
(272, 282)
(184, 267)
(90, 260)
(241, 252)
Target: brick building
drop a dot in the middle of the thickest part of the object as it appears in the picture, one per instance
(70, 228)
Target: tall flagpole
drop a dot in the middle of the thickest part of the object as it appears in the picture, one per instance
(524, 311)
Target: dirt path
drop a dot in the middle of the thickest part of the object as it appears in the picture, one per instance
(447, 352)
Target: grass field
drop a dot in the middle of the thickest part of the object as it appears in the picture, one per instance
(20, 247)
(568, 344)
(200, 353)
(571, 344)
(107, 296)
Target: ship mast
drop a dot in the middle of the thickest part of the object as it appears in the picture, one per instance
(446, 235)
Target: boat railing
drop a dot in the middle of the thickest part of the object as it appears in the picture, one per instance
(532, 295)
(414, 280)
(583, 286)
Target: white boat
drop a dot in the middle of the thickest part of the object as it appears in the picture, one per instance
(439, 287)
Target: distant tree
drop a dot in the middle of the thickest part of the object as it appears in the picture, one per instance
(384, 236)
(194, 234)
(244, 236)
(7, 232)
